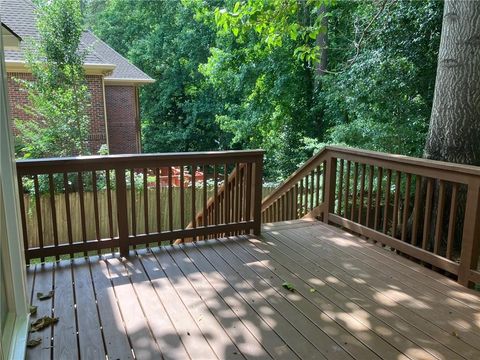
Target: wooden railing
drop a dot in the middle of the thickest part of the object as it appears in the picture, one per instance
(77, 205)
(428, 210)
(227, 202)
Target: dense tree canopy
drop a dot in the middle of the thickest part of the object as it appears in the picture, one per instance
(244, 74)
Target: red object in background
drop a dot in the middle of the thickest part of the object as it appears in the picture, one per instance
(175, 171)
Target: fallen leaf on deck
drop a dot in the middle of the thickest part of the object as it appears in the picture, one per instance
(42, 323)
(33, 309)
(42, 296)
(454, 333)
(288, 286)
(312, 290)
(34, 342)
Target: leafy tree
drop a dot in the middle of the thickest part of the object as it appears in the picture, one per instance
(248, 74)
(164, 39)
(58, 95)
(379, 95)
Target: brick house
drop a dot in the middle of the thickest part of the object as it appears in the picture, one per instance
(112, 80)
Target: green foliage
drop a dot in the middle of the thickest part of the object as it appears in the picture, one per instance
(274, 22)
(58, 96)
(242, 74)
(382, 100)
(163, 39)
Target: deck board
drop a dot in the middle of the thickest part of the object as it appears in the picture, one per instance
(43, 283)
(87, 314)
(65, 332)
(430, 307)
(223, 298)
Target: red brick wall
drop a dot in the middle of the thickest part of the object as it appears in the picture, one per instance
(121, 107)
(97, 137)
(98, 132)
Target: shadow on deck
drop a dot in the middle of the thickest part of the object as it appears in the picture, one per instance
(225, 299)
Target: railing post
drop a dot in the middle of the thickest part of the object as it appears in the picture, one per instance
(122, 214)
(471, 235)
(330, 184)
(257, 196)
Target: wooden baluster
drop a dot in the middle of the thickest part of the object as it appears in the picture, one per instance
(257, 202)
(406, 207)
(133, 204)
(317, 192)
(452, 221)
(274, 211)
(51, 186)
(109, 205)
(182, 198)
(157, 200)
(312, 197)
(122, 211)
(369, 198)
(170, 199)
(23, 215)
(347, 187)
(194, 198)
(241, 182)
(95, 205)
(295, 203)
(439, 219)
(362, 193)
(145, 199)
(387, 200)
(237, 192)
(354, 193)
(324, 199)
(396, 201)
(284, 207)
(39, 214)
(248, 202)
(471, 232)
(215, 193)
(205, 197)
(428, 213)
(289, 204)
(340, 188)
(307, 209)
(416, 208)
(82, 209)
(378, 198)
(301, 199)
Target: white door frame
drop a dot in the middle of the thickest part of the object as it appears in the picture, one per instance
(15, 332)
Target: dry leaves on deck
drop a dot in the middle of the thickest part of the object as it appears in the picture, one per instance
(42, 323)
(288, 286)
(34, 342)
(42, 296)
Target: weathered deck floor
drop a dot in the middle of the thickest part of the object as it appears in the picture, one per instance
(224, 299)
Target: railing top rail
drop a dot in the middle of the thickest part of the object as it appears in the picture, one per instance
(408, 160)
(42, 166)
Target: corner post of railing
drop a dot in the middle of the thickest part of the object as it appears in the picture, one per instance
(257, 195)
(122, 214)
(471, 234)
(330, 183)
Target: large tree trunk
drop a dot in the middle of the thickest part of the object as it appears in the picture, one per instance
(454, 133)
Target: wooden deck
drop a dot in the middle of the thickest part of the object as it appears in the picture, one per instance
(224, 299)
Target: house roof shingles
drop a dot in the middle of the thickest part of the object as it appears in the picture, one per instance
(19, 16)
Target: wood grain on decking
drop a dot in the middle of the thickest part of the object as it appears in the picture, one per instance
(224, 299)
